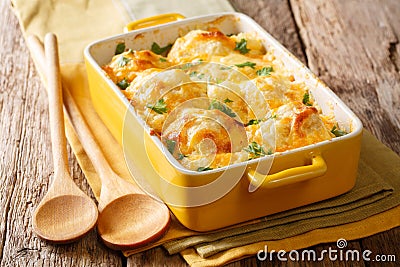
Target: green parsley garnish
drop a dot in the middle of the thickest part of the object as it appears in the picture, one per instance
(181, 156)
(242, 46)
(252, 122)
(160, 50)
(218, 81)
(123, 84)
(196, 74)
(337, 132)
(218, 105)
(306, 99)
(122, 61)
(265, 71)
(202, 169)
(246, 64)
(193, 74)
(160, 107)
(170, 145)
(227, 100)
(120, 48)
(163, 59)
(186, 66)
(256, 150)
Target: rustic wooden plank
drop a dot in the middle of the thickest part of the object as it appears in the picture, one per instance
(385, 245)
(275, 17)
(248, 262)
(392, 12)
(26, 166)
(155, 257)
(354, 47)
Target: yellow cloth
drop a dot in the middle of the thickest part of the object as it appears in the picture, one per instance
(77, 23)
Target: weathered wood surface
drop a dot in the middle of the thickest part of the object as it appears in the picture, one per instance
(26, 162)
(352, 45)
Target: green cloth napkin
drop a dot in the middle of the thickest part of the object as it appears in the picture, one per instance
(377, 189)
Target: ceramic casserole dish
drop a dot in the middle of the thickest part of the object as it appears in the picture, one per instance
(217, 198)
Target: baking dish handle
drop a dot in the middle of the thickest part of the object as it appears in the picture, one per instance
(152, 21)
(289, 176)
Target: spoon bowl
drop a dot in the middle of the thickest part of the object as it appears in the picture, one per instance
(73, 214)
(119, 231)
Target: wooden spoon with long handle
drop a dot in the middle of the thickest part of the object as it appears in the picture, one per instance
(65, 213)
(128, 217)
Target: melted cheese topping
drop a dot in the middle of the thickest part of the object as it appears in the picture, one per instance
(200, 44)
(229, 102)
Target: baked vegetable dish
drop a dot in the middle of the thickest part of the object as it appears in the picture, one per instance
(215, 99)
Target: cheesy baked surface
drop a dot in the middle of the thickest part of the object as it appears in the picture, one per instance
(215, 100)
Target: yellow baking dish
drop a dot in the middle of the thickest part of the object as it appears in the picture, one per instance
(214, 199)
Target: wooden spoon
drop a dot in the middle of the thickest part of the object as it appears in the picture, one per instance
(128, 217)
(65, 213)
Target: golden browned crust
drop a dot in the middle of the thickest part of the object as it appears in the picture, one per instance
(268, 112)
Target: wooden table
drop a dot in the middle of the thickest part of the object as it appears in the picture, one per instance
(352, 45)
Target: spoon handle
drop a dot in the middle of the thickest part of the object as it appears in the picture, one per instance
(58, 141)
(88, 142)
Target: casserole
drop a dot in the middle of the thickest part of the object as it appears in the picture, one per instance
(216, 100)
(241, 191)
